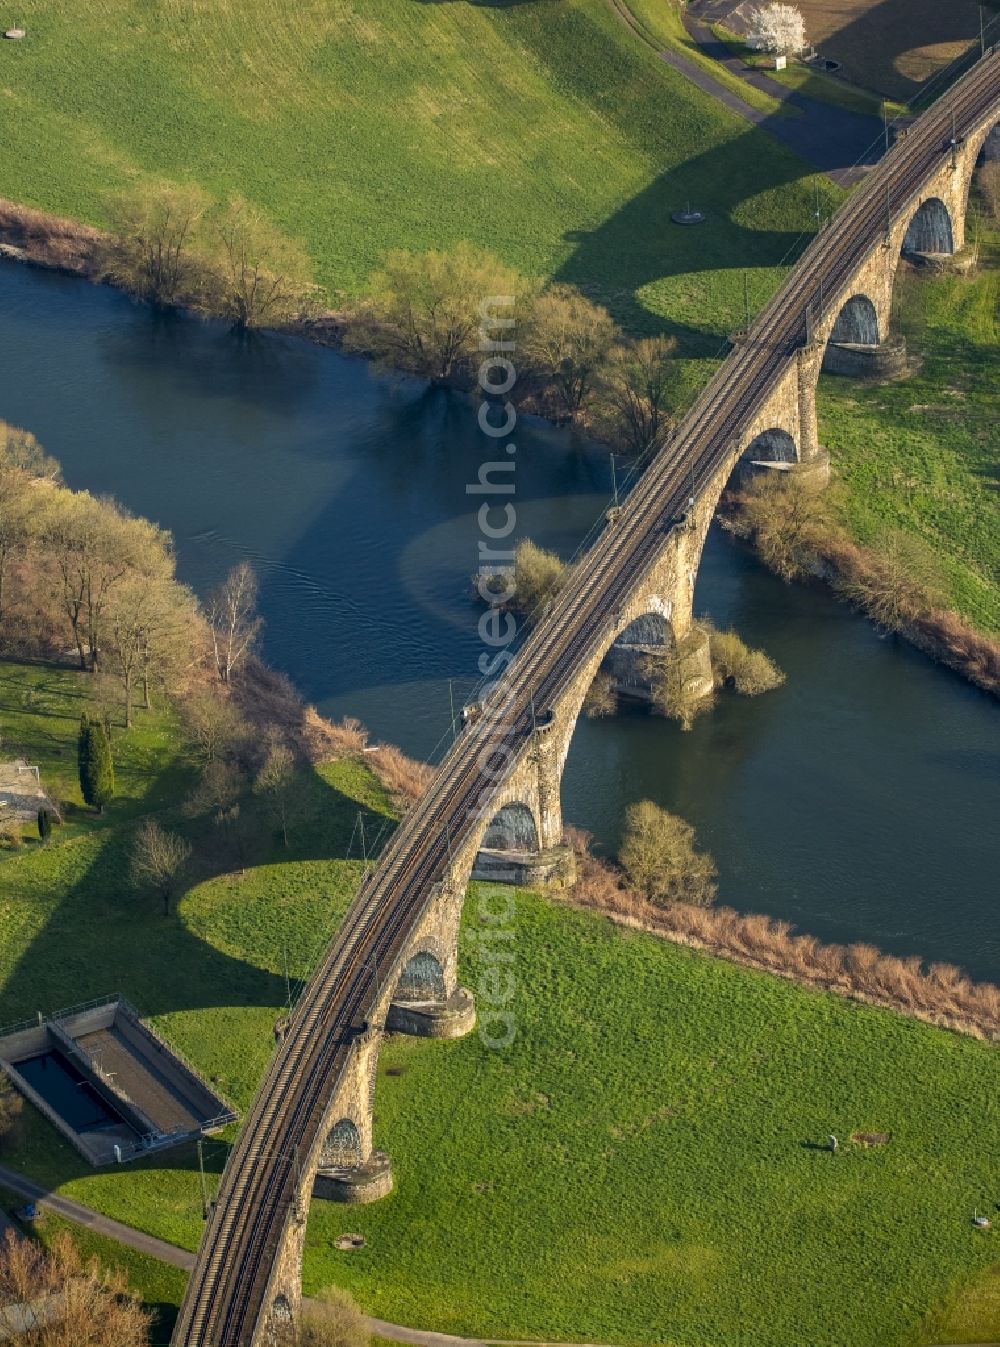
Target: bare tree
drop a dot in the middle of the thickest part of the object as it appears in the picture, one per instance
(262, 278)
(158, 860)
(213, 726)
(94, 546)
(900, 581)
(989, 185)
(637, 389)
(232, 618)
(149, 252)
(149, 627)
(276, 784)
(81, 1305)
(779, 28)
(16, 523)
(658, 854)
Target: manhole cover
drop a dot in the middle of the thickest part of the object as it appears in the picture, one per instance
(687, 216)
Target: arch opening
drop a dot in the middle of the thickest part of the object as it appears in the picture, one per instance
(342, 1148)
(771, 446)
(421, 980)
(930, 229)
(857, 323)
(512, 828)
(281, 1323)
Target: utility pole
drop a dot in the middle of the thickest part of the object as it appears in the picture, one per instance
(288, 981)
(614, 478)
(451, 699)
(982, 32)
(746, 296)
(364, 847)
(201, 1174)
(885, 124)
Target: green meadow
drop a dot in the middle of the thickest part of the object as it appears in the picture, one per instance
(646, 1162)
(921, 454)
(547, 132)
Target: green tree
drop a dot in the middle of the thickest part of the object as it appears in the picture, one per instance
(567, 343)
(539, 575)
(658, 854)
(424, 310)
(96, 765)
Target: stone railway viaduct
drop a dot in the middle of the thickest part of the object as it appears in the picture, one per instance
(394, 965)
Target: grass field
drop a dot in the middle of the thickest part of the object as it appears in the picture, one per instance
(545, 131)
(922, 454)
(644, 1165)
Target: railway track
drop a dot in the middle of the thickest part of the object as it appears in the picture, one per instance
(260, 1187)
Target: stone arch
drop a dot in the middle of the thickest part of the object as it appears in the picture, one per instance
(342, 1147)
(857, 323)
(422, 979)
(930, 230)
(512, 828)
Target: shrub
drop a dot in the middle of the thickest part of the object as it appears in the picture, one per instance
(538, 576)
(736, 664)
(658, 854)
(11, 1116)
(333, 1319)
(84, 1304)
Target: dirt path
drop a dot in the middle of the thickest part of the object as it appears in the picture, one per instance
(182, 1258)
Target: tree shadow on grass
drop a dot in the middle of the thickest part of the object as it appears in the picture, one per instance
(638, 259)
(103, 936)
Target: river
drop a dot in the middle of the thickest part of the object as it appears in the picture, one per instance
(860, 800)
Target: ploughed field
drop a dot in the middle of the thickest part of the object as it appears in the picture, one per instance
(645, 1163)
(545, 131)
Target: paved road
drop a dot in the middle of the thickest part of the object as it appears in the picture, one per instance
(183, 1258)
(841, 143)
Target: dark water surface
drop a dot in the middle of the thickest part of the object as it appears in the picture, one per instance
(860, 800)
